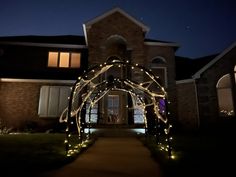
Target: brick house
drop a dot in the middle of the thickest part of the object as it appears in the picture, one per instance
(206, 91)
(38, 71)
(34, 73)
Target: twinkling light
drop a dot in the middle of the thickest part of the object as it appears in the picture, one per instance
(88, 89)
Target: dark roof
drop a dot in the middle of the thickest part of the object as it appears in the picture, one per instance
(166, 43)
(61, 39)
(154, 40)
(187, 67)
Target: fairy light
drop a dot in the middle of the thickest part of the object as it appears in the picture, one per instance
(84, 80)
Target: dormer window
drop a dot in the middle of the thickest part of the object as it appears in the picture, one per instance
(64, 59)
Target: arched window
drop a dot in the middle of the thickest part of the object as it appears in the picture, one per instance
(158, 60)
(158, 66)
(113, 58)
(225, 99)
(116, 45)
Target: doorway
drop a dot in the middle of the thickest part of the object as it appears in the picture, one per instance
(113, 107)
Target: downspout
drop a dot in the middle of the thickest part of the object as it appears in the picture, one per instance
(197, 104)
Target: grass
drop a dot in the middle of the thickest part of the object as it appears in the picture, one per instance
(32, 153)
(209, 152)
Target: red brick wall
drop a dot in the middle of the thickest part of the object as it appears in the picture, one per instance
(187, 105)
(19, 105)
(114, 24)
(136, 50)
(206, 85)
(168, 54)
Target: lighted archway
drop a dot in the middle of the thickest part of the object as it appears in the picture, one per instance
(144, 90)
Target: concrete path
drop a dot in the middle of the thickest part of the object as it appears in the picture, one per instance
(111, 157)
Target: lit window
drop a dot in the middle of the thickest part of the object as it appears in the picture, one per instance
(75, 60)
(64, 60)
(113, 109)
(91, 113)
(138, 116)
(52, 59)
(158, 66)
(225, 99)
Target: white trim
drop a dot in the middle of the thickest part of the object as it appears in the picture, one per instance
(91, 22)
(198, 74)
(116, 36)
(162, 44)
(184, 81)
(218, 82)
(158, 57)
(71, 46)
(85, 34)
(38, 81)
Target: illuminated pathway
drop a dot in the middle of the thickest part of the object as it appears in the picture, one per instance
(112, 157)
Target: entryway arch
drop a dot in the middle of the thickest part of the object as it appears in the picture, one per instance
(141, 84)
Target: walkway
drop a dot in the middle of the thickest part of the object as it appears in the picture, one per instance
(112, 157)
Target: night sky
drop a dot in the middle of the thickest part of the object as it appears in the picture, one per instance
(200, 27)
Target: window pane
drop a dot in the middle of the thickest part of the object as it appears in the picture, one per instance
(64, 60)
(63, 102)
(53, 102)
(138, 116)
(224, 82)
(161, 73)
(43, 101)
(225, 102)
(75, 60)
(158, 60)
(52, 59)
(93, 114)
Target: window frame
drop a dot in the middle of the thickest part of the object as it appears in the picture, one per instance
(59, 59)
(165, 74)
(53, 110)
(221, 112)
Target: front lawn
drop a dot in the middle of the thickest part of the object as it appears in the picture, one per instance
(31, 153)
(209, 152)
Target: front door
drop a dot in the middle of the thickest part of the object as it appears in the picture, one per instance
(113, 106)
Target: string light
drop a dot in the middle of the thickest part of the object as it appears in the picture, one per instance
(75, 109)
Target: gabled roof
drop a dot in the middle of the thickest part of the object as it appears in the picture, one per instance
(198, 73)
(187, 67)
(91, 22)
